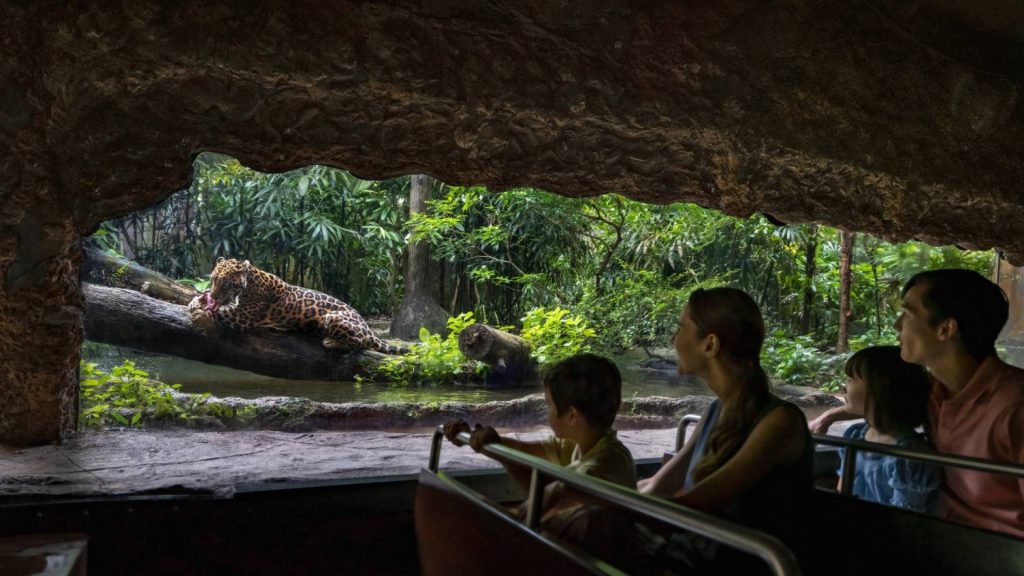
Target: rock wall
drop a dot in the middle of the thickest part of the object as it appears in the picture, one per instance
(899, 119)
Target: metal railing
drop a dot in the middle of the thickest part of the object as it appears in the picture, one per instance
(769, 549)
(853, 447)
(681, 431)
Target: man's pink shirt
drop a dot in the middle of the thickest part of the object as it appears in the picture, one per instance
(984, 420)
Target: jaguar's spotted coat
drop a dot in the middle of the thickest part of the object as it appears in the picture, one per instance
(243, 297)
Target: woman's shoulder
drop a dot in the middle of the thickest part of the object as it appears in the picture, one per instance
(782, 409)
(780, 414)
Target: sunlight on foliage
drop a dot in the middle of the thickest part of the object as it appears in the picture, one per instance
(556, 334)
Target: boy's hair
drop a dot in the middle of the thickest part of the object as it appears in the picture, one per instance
(979, 306)
(897, 391)
(590, 383)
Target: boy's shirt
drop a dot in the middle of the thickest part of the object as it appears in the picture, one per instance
(609, 459)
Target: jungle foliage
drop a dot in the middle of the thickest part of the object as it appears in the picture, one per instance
(623, 268)
(126, 396)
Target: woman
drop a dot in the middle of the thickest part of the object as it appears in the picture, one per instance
(750, 460)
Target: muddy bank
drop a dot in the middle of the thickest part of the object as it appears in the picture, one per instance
(302, 415)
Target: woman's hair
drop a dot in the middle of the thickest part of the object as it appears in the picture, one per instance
(732, 316)
(590, 383)
(896, 391)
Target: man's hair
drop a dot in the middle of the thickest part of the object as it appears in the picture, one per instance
(590, 383)
(979, 306)
(897, 391)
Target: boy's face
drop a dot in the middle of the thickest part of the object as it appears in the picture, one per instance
(559, 423)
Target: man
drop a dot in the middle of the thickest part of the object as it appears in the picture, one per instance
(949, 323)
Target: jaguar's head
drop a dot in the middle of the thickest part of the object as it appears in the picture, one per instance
(228, 280)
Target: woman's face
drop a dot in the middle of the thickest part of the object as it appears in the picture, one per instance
(689, 344)
(856, 396)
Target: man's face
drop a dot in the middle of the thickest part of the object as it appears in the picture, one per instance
(919, 340)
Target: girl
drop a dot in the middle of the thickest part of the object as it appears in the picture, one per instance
(750, 459)
(892, 396)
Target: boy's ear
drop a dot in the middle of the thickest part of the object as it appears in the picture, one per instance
(948, 328)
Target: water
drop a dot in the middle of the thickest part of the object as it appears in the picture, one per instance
(220, 381)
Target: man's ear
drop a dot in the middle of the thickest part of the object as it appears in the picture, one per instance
(948, 328)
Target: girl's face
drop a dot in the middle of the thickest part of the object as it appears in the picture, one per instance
(856, 396)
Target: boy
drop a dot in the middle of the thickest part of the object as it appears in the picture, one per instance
(583, 394)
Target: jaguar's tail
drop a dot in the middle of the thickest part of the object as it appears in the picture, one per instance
(382, 346)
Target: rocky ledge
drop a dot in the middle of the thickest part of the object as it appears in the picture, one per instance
(302, 415)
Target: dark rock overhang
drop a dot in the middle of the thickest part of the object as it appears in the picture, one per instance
(897, 118)
(903, 119)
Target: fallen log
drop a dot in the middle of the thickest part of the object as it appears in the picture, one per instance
(508, 355)
(128, 318)
(102, 268)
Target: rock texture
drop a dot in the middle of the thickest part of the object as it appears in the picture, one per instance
(900, 119)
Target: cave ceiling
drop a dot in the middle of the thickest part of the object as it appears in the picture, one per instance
(902, 119)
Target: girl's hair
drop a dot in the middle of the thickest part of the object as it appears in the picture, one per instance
(897, 391)
(732, 316)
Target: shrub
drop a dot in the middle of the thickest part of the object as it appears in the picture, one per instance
(640, 309)
(434, 358)
(127, 396)
(556, 334)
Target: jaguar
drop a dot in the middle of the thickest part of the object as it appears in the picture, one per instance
(242, 297)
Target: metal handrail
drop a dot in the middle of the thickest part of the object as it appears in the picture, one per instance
(945, 459)
(769, 549)
(681, 431)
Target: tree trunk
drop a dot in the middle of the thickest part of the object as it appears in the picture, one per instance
(846, 240)
(102, 268)
(419, 308)
(508, 355)
(810, 267)
(127, 318)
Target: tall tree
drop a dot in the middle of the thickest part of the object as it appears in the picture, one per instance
(846, 240)
(418, 309)
(810, 268)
